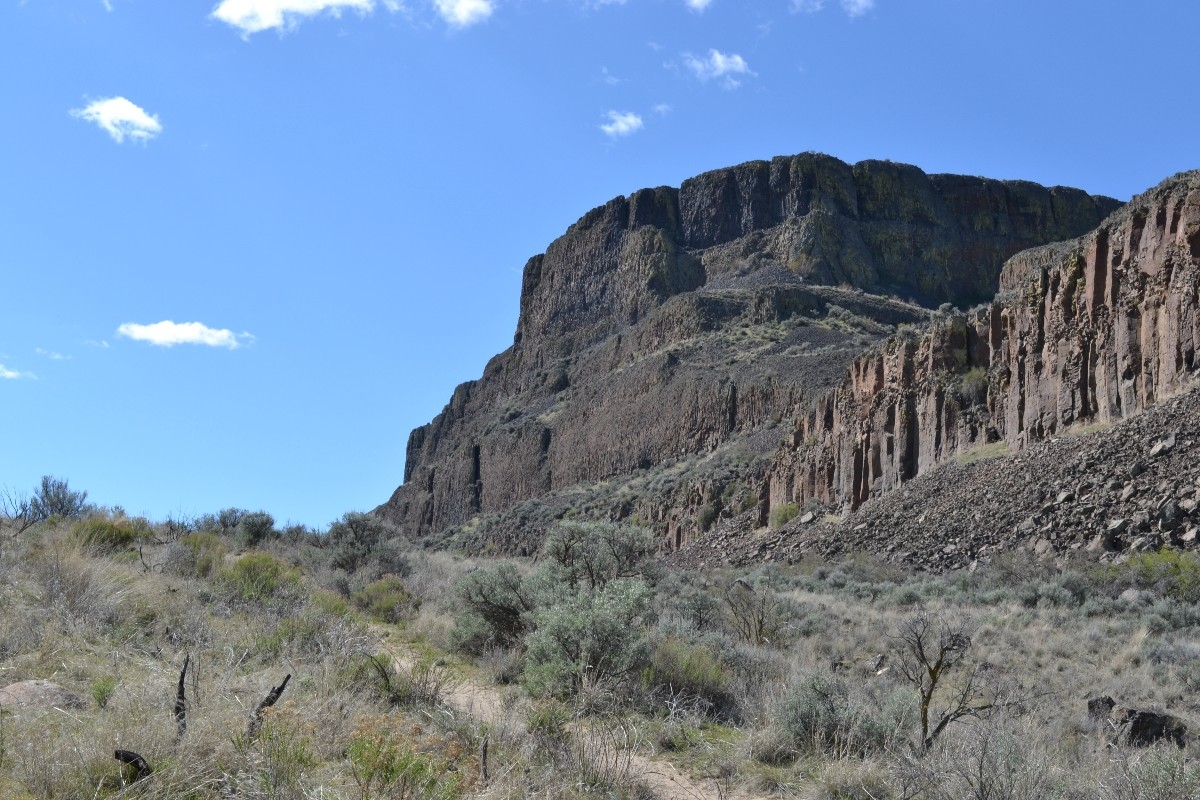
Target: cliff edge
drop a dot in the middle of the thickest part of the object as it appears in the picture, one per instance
(668, 340)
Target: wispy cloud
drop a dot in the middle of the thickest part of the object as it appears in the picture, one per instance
(169, 334)
(853, 8)
(662, 109)
(718, 66)
(50, 354)
(107, 6)
(621, 123)
(121, 119)
(698, 5)
(252, 16)
(13, 375)
(462, 13)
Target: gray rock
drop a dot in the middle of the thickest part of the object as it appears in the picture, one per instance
(1163, 447)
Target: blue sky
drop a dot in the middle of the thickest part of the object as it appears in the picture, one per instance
(247, 246)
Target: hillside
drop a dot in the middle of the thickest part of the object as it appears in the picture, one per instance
(668, 340)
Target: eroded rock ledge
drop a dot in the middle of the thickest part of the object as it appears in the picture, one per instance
(671, 323)
(1087, 331)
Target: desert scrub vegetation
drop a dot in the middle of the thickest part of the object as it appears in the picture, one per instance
(587, 666)
(854, 679)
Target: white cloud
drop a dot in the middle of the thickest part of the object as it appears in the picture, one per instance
(698, 5)
(107, 6)
(856, 8)
(621, 123)
(50, 354)
(663, 109)
(462, 13)
(252, 16)
(120, 118)
(12, 374)
(169, 334)
(718, 66)
(807, 6)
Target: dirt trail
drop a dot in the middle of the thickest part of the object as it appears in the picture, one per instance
(487, 704)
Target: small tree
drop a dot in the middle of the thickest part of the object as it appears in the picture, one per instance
(256, 527)
(928, 650)
(759, 616)
(588, 555)
(355, 537)
(497, 603)
(228, 520)
(19, 510)
(54, 498)
(592, 638)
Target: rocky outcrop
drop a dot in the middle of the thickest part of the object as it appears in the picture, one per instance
(1087, 331)
(1137, 727)
(672, 322)
(1101, 493)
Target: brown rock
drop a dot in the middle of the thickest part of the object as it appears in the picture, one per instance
(1092, 330)
(625, 352)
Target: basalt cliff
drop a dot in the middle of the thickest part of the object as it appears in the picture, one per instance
(1085, 331)
(681, 356)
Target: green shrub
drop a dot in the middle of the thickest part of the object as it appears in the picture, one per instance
(705, 517)
(355, 537)
(590, 554)
(386, 600)
(1170, 573)
(973, 387)
(329, 603)
(693, 669)
(54, 498)
(228, 519)
(496, 607)
(107, 536)
(102, 689)
(823, 715)
(783, 514)
(383, 765)
(261, 579)
(595, 638)
(197, 555)
(256, 527)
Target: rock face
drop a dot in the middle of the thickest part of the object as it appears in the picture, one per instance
(1097, 493)
(672, 323)
(1087, 331)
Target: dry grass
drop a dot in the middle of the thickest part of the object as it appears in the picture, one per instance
(817, 709)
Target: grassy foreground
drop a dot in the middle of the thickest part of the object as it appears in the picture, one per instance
(817, 681)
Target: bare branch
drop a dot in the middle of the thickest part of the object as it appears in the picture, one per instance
(181, 700)
(268, 701)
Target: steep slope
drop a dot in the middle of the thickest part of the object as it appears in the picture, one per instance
(674, 326)
(1096, 493)
(1086, 331)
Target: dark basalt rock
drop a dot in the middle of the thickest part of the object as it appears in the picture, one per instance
(669, 324)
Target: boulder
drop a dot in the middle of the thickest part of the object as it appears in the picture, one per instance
(1141, 728)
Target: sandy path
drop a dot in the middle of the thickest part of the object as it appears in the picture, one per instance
(487, 704)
